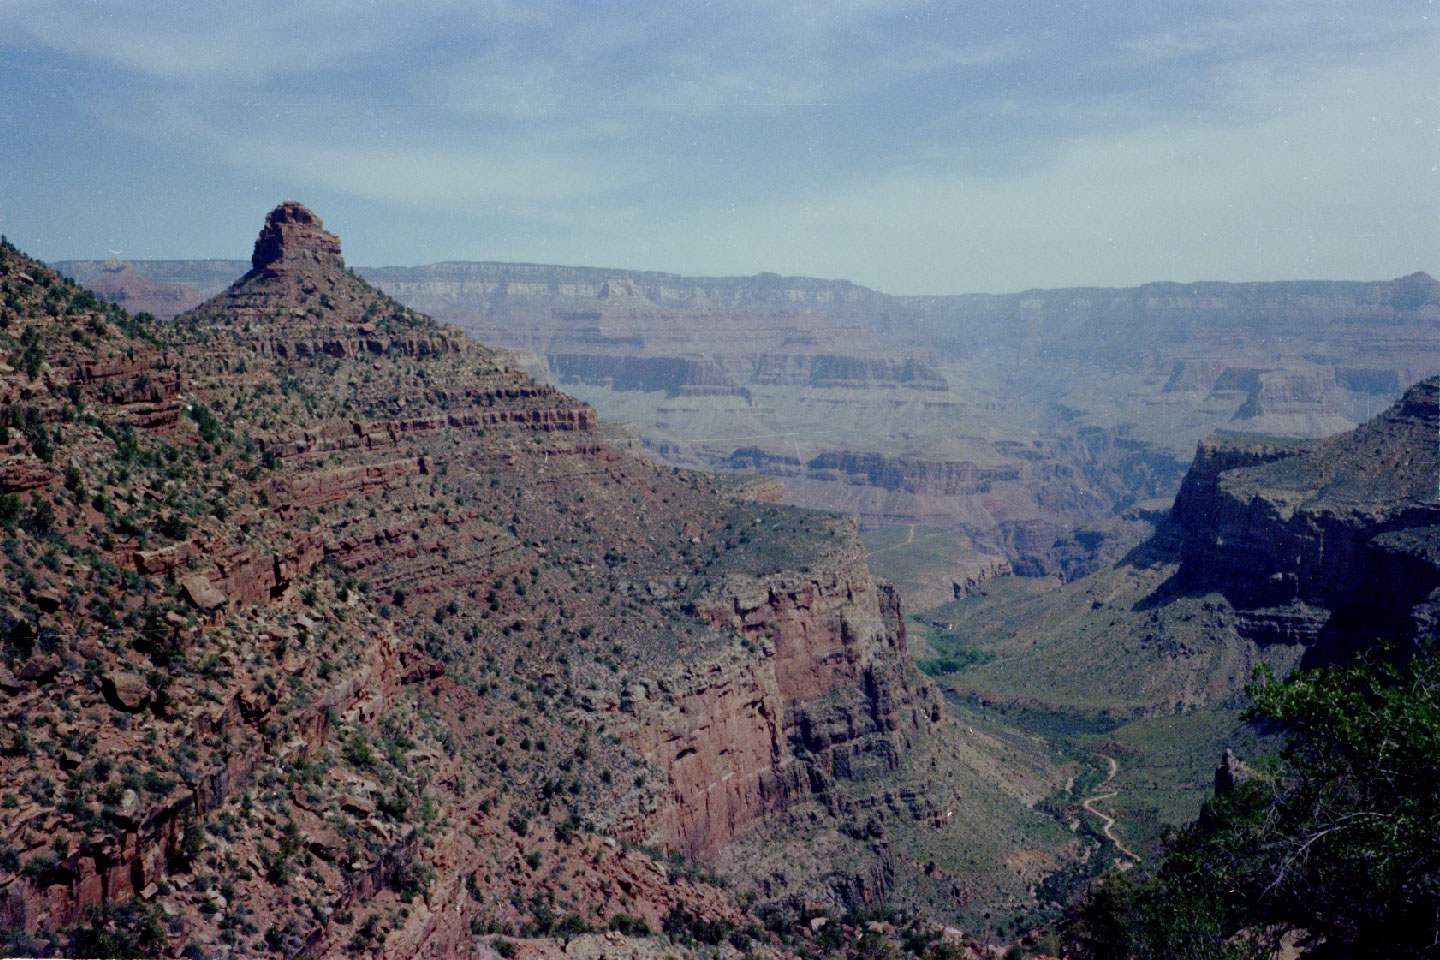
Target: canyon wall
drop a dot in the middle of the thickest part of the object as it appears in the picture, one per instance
(1330, 536)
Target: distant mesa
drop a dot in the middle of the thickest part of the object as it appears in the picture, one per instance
(1296, 402)
(293, 236)
(119, 282)
(1178, 361)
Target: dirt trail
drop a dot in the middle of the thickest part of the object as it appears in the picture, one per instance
(909, 539)
(1102, 794)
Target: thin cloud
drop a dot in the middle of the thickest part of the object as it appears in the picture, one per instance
(429, 176)
(889, 140)
(179, 41)
(1334, 188)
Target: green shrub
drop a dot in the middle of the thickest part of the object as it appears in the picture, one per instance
(205, 420)
(31, 354)
(954, 662)
(629, 926)
(129, 930)
(358, 752)
(191, 845)
(1336, 836)
(20, 636)
(40, 521)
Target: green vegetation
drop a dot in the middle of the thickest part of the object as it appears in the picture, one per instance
(191, 845)
(277, 859)
(630, 926)
(952, 653)
(1336, 837)
(129, 930)
(1167, 767)
(682, 926)
(1064, 664)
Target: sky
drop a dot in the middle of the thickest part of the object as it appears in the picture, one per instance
(921, 147)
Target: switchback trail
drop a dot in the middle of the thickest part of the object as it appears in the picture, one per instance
(1102, 794)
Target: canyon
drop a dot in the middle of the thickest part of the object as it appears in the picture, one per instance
(330, 629)
(1278, 551)
(1022, 424)
(1278, 554)
(457, 651)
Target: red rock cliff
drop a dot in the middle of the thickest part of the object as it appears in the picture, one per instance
(816, 688)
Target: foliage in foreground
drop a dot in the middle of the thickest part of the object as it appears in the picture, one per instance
(1339, 836)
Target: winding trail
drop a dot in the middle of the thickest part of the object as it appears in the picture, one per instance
(1102, 794)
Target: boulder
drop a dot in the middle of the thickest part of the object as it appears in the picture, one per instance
(359, 806)
(89, 649)
(40, 669)
(203, 593)
(48, 600)
(126, 691)
(423, 669)
(129, 813)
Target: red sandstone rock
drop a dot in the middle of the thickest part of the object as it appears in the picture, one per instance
(18, 474)
(433, 472)
(292, 233)
(39, 669)
(202, 592)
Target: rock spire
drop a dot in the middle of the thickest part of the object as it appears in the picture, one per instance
(293, 236)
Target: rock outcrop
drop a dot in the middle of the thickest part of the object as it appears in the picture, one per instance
(1292, 402)
(1278, 552)
(1327, 540)
(825, 694)
(294, 238)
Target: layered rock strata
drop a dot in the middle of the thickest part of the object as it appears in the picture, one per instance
(397, 614)
(1310, 531)
(817, 689)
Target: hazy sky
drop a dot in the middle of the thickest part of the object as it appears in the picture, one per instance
(914, 147)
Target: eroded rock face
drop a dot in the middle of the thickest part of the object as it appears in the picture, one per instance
(1294, 402)
(126, 691)
(1304, 359)
(819, 690)
(202, 592)
(293, 236)
(1329, 536)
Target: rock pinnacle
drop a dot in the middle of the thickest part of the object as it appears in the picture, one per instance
(292, 235)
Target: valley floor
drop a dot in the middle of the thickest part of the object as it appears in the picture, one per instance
(1141, 753)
